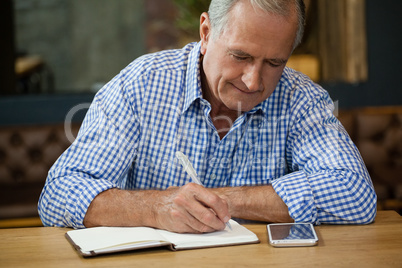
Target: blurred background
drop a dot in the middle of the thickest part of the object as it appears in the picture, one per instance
(56, 54)
(80, 45)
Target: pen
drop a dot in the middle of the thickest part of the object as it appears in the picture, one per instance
(183, 159)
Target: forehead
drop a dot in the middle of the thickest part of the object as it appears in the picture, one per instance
(255, 29)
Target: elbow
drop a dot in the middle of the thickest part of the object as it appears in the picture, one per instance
(363, 211)
(360, 205)
(368, 215)
(43, 213)
(49, 217)
(357, 210)
(367, 205)
(48, 213)
(365, 218)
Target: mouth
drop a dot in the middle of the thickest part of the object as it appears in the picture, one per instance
(245, 91)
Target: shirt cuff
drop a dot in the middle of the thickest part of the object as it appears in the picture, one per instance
(296, 192)
(80, 197)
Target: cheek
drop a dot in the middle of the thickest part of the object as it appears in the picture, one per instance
(271, 79)
(230, 71)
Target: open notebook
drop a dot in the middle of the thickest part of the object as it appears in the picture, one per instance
(102, 240)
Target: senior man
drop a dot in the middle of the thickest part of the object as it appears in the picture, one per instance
(261, 136)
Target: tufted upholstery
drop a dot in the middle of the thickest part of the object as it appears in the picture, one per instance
(377, 132)
(26, 154)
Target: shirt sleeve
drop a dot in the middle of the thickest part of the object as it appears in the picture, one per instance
(329, 182)
(97, 160)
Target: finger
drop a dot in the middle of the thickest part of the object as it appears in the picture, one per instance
(201, 203)
(217, 204)
(184, 222)
(205, 219)
(199, 227)
(224, 217)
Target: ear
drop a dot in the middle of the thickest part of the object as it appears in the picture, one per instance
(205, 31)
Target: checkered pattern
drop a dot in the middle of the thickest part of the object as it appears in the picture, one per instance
(154, 108)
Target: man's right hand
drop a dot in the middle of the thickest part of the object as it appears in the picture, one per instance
(191, 209)
(187, 209)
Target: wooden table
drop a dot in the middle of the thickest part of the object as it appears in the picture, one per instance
(375, 245)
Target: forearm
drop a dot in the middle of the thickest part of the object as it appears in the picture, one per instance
(190, 208)
(255, 203)
(117, 207)
(328, 181)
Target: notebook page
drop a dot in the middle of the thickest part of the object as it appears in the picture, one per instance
(238, 235)
(97, 238)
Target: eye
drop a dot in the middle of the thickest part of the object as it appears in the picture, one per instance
(275, 65)
(239, 58)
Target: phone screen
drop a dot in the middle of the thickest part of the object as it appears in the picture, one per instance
(292, 234)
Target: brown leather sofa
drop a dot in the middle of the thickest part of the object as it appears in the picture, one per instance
(27, 153)
(32, 137)
(377, 132)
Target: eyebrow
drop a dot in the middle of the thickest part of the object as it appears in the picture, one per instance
(242, 53)
(239, 52)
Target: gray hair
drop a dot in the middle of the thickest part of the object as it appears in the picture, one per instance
(219, 13)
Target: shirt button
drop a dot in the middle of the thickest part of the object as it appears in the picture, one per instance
(213, 176)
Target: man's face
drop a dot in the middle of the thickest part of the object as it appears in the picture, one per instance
(243, 65)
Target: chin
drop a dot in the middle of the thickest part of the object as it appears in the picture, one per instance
(241, 106)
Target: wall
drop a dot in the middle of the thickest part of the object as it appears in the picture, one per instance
(84, 42)
(384, 86)
(7, 74)
(89, 41)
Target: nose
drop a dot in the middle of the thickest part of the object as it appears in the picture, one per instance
(252, 77)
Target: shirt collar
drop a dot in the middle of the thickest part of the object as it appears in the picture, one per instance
(257, 109)
(193, 77)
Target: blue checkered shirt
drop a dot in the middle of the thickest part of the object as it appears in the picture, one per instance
(154, 107)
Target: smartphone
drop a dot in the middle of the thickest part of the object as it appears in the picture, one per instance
(292, 235)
